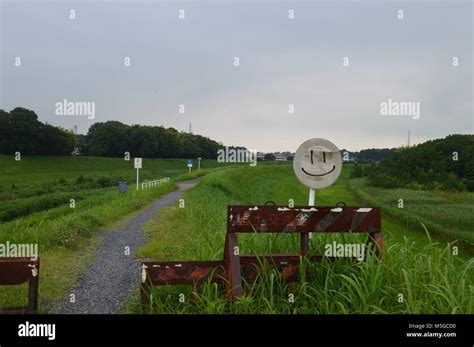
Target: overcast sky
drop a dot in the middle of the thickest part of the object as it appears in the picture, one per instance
(282, 61)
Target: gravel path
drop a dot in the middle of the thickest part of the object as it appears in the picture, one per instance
(112, 277)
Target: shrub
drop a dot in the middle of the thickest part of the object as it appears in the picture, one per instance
(103, 182)
(384, 180)
(357, 171)
(22, 207)
(469, 185)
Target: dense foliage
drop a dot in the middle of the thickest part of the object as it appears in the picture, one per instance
(112, 139)
(438, 164)
(21, 131)
(369, 155)
(269, 156)
(374, 154)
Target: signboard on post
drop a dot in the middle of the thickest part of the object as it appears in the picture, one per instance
(137, 163)
(190, 165)
(199, 163)
(317, 164)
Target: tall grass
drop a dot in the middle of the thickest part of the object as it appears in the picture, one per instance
(415, 276)
(446, 214)
(66, 226)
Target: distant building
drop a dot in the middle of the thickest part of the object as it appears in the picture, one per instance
(280, 157)
(277, 156)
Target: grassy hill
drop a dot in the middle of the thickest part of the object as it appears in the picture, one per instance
(443, 164)
(38, 183)
(34, 170)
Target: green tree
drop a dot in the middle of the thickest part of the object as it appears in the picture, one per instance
(108, 139)
(25, 131)
(269, 156)
(56, 141)
(442, 164)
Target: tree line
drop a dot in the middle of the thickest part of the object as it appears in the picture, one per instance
(112, 139)
(21, 131)
(446, 164)
(370, 155)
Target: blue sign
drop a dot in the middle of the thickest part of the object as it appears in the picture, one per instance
(190, 162)
(123, 187)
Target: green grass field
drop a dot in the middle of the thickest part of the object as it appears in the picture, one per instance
(417, 274)
(34, 208)
(449, 215)
(40, 183)
(32, 170)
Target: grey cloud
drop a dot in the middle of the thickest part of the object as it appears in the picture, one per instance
(282, 62)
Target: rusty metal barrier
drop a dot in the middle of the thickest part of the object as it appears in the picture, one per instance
(265, 219)
(15, 271)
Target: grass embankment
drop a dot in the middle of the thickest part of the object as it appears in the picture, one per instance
(417, 275)
(65, 237)
(35, 198)
(38, 183)
(449, 215)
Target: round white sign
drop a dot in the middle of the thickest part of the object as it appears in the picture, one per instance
(317, 163)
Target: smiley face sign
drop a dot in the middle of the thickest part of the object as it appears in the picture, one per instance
(317, 163)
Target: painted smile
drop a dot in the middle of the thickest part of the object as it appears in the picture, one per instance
(327, 173)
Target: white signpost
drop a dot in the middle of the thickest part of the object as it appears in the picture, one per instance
(199, 163)
(137, 163)
(317, 164)
(190, 165)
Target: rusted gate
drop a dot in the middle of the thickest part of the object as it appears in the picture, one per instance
(14, 271)
(264, 219)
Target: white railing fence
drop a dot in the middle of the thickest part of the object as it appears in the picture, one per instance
(149, 184)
